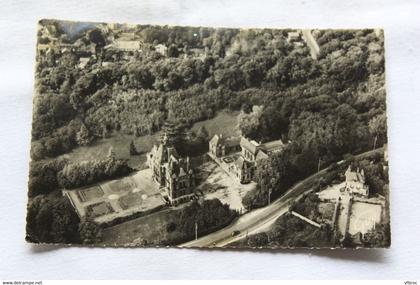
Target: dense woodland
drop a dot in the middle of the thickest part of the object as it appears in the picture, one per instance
(326, 107)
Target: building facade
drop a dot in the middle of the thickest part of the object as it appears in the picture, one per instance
(220, 145)
(173, 173)
(356, 182)
(247, 154)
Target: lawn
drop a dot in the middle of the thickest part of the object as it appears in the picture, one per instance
(224, 123)
(120, 144)
(144, 230)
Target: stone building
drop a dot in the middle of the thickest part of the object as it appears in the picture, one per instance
(162, 49)
(243, 169)
(247, 153)
(173, 173)
(254, 151)
(220, 145)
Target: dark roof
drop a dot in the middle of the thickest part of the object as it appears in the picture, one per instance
(261, 155)
(240, 162)
(232, 141)
(226, 141)
(273, 146)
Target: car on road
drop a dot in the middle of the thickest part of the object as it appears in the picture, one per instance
(235, 233)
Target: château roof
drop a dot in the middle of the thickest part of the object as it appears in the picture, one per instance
(261, 155)
(273, 146)
(239, 162)
(226, 141)
(248, 145)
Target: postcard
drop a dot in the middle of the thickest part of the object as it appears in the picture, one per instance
(201, 137)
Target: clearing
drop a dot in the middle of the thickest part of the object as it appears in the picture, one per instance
(225, 122)
(218, 184)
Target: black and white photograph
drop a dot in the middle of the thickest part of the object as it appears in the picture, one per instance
(148, 135)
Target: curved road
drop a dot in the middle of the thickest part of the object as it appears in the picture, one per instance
(260, 219)
(256, 220)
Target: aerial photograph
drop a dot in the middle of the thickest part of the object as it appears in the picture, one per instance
(201, 137)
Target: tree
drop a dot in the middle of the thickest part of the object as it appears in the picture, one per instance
(51, 219)
(380, 236)
(96, 37)
(83, 136)
(249, 123)
(173, 51)
(202, 134)
(273, 176)
(133, 149)
(258, 240)
(174, 133)
(84, 87)
(90, 232)
(74, 175)
(43, 176)
(38, 150)
(378, 128)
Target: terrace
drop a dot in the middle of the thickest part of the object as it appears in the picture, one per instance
(118, 198)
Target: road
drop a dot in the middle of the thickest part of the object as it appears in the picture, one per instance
(257, 220)
(311, 42)
(260, 219)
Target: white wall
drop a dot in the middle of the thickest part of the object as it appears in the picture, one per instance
(17, 51)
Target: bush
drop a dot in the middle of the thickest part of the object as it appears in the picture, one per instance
(90, 232)
(258, 240)
(170, 227)
(209, 215)
(87, 172)
(43, 176)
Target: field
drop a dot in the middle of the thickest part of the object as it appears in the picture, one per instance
(364, 216)
(120, 144)
(225, 123)
(143, 230)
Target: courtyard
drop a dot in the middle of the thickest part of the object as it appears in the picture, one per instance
(218, 183)
(118, 198)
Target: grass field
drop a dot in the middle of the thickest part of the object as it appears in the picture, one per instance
(120, 144)
(143, 230)
(225, 123)
(363, 217)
